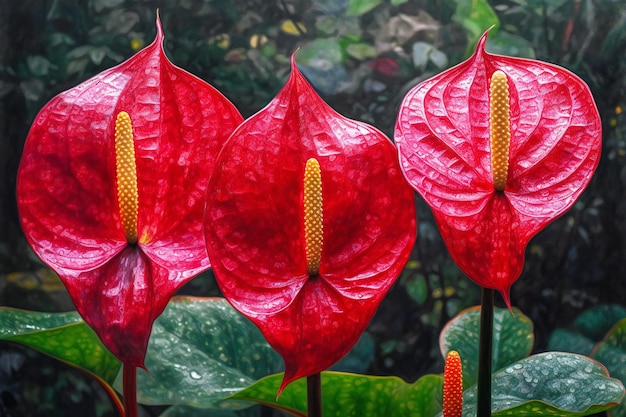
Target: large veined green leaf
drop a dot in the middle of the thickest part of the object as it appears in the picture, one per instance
(512, 339)
(352, 395)
(552, 383)
(201, 351)
(612, 353)
(63, 336)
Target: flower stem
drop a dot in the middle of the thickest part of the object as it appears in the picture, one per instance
(314, 395)
(483, 408)
(130, 390)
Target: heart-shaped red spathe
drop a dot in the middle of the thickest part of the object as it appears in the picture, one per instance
(67, 191)
(443, 138)
(255, 226)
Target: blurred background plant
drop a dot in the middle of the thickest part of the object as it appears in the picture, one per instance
(362, 56)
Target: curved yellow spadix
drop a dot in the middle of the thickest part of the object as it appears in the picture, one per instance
(126, 167)
(313, 215)
(500, 128)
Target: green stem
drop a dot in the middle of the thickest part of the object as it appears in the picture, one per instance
(483, 408)
(314, 395)
(129, 390)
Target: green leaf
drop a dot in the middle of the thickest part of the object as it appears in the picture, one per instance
(417, 288)
(201, 351)
(361, 51)
(100, 5)
(504, 43)
(553, 383)
(121, 21)
(38, 65)
(512, 339)
(63, 336)
(595, 322)
(569, 341)
(611, 352)
(326, 24)
(327, 50)
(360, 7)
(352, 395)
(185, 411)
(476, 16)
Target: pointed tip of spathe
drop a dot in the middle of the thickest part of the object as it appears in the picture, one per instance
(294, 67)
(296, 78)
(506, 296)
(487, 31)
(284, 383)
(143, 366)
(159, 26)
(280, 390)
(482, 41)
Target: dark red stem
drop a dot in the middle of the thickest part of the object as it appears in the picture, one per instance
(485, 350)
(314, 395)
(129, 390)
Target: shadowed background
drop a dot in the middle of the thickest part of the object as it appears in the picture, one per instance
(362, 56)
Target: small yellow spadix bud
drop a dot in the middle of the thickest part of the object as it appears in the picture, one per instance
(126, 167)
(500, 128)
(313, 215)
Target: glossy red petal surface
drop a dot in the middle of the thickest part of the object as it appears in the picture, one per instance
(67, 193)
(317, 329)
(255, 230)
(66, 180)
(442, 134)
(120, 302)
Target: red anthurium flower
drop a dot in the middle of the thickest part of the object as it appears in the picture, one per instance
(111, 190)
(309, 222)
(498, 147)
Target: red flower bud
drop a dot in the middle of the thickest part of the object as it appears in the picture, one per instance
(453, 386)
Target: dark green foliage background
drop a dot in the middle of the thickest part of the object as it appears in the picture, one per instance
(362, 56)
